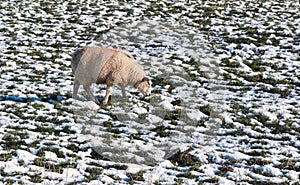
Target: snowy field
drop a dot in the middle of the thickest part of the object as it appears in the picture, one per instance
(224, 108)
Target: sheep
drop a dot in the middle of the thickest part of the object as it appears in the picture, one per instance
(93, 64)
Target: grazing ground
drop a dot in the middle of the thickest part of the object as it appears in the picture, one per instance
(225, 101)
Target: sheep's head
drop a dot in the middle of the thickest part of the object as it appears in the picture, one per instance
(144, 86)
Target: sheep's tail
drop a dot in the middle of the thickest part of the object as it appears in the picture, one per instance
(76, 59)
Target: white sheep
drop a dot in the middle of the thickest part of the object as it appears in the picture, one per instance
(108, 66)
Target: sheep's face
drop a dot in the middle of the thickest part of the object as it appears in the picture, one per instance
(144, 86)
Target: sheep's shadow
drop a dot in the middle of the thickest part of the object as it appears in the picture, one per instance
(48, 98)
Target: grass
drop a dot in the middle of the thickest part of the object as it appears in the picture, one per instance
(53, 166)
(111, 129)
(162, 131)
(94, 173)
(173, 116)
(74, 147)
(187, 174)
(161, 81)
(6, 157)
(11, 141)
(136, 177)
(183, 158)
(41, 152)
(34, 126)
(36, 179)
(136, 136)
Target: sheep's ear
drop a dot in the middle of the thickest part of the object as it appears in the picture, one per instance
(128, 55)
(146, 79)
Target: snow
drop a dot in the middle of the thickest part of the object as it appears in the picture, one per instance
(72, 175)
(293, 175)
(26, 156)
(227, 88)
(224, 181)
(12, 167)
(50, 156)
(268, 169)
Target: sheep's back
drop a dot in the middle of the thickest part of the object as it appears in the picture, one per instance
(90, 63)
(113, 67)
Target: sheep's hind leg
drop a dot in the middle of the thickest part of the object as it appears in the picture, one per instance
(75, 89)
(108, 90)
(90, 94)
(123, 91)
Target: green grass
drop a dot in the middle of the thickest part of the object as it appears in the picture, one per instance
(162, 131)
(60, 154)
(11, 141)
(274, 80)
(183, 158)
(134, 177)
(6, 157)
(94, 173)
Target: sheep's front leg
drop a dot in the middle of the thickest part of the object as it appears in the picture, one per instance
(75, 89)
(108, 90)
(90, 94)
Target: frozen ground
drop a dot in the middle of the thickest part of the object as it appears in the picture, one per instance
(225, 101)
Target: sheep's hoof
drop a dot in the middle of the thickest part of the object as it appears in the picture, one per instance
(104, 101)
